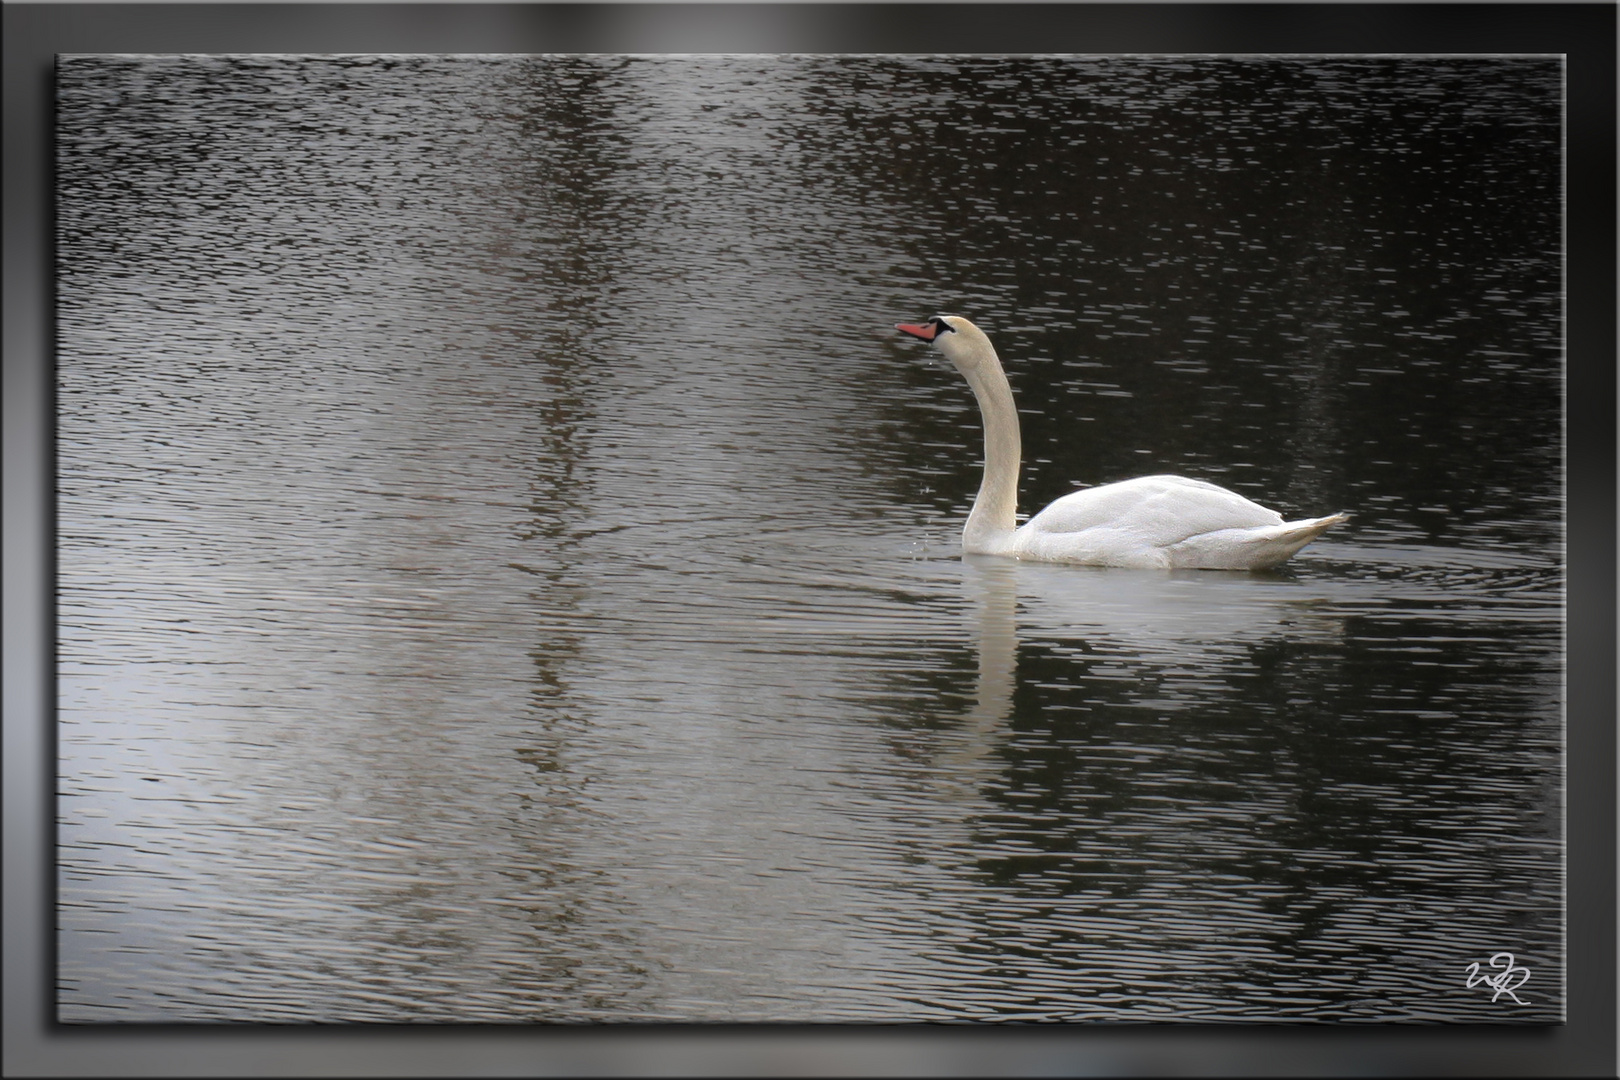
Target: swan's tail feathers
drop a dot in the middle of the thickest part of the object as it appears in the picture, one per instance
(1310, 528)
(1285, 540)
(1257, 548)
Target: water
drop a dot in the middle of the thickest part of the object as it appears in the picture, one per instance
(509, 566)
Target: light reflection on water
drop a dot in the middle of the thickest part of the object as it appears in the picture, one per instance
(509, 571)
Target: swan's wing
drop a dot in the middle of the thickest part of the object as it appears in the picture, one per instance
(1157, 510)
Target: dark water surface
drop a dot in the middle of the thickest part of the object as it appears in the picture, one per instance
(509, 566)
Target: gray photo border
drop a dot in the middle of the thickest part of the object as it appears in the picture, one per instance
(34, 32)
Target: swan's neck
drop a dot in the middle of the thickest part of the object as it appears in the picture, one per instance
(995, 511)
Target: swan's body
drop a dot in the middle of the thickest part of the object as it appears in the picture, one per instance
(1152, 521)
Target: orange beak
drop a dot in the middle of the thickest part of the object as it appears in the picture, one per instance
(925, 331)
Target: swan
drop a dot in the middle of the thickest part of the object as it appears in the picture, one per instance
(1149, 522)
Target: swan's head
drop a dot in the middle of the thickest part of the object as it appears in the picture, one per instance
(962, 343)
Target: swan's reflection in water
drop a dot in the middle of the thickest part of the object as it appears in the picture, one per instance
(991, 586)
(1120, 626)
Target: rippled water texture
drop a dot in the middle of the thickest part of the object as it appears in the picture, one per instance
(509, 566)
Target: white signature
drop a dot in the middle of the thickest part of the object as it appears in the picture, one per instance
(1504, 982)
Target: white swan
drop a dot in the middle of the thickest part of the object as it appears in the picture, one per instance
(1152, 521)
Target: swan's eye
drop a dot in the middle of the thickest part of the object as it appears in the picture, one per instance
(943, 327)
